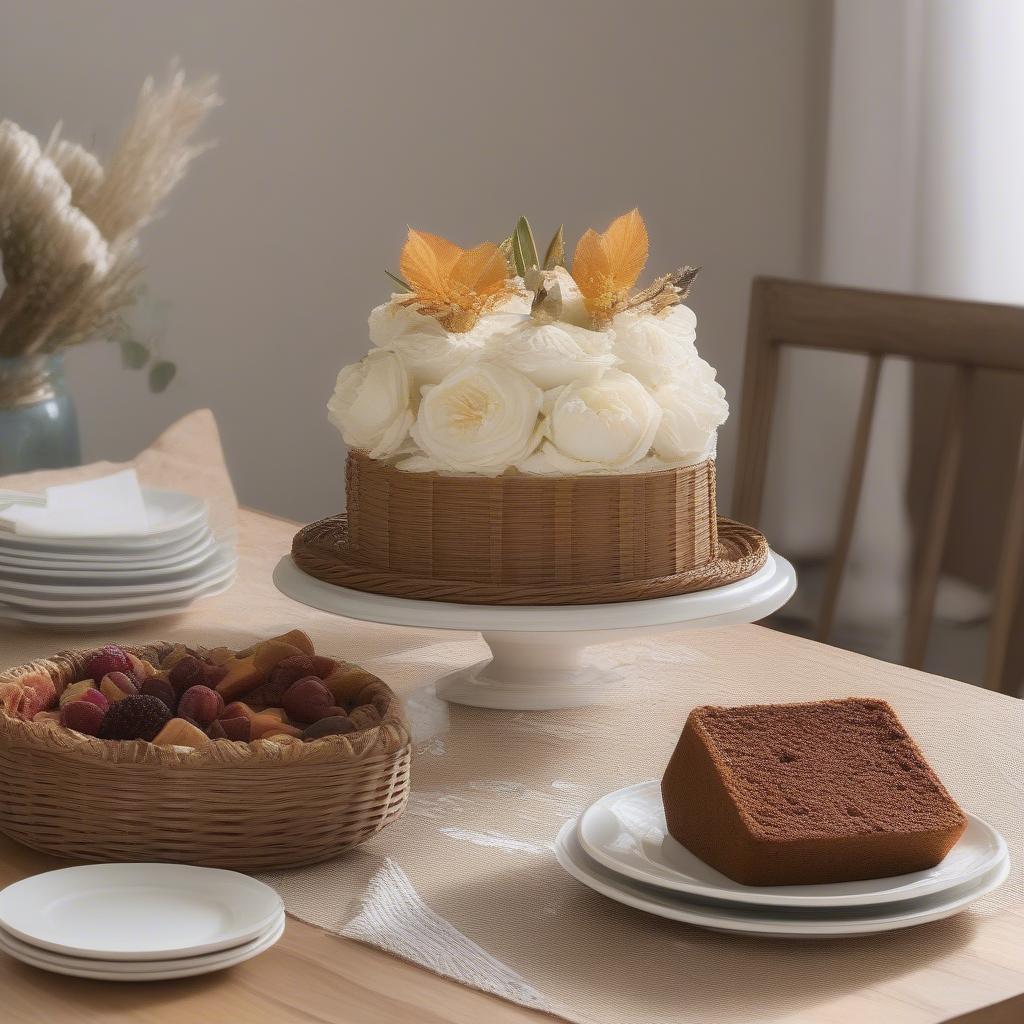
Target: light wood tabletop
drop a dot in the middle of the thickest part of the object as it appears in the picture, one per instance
(313, 976)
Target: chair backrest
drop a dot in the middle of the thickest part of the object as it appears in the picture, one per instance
(968, 336)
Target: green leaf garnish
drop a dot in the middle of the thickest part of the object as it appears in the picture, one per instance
(555, 255)
(402, 284)
(524, 248)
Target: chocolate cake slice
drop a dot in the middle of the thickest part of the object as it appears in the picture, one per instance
(792, 794)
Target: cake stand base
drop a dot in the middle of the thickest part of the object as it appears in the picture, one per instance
(537, 661)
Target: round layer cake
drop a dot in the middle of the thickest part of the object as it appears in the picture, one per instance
(526, 433)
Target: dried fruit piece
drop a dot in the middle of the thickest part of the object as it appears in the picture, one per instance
(188, 671)
(162, 690)
(237, 709)
(134, 718)
(265, 725)
(95, 697)
(214, 673)
(219, 655)
(179, 732)
(176, 653)
(347, 683)
(291, 669)
(82, 716)
(42, 684)
(24, 702)
(239, 729)
(76, 690)
(141, 669)
(365, 716)
(308, 700)
(322, 666)
(242, 676)
(334, 725)
(201, 704)
(116, 686)
(268, 695)
(106, 660)
(294, 637)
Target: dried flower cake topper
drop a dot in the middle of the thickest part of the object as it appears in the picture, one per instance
(457, 286)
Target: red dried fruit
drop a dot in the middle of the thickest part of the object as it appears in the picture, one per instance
(94, 697)
(135, 718)
(106, 660)
(268, 695)
(290, 670)
(231, 729)
(307, 700)
(237, 709)
(201, 704)
(189, 671)
(162, 690)
(333, 725)
(322, 666)
(115, 686)
(82, 716)
(214, 673)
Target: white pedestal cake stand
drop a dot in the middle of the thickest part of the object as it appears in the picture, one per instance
(537, 651)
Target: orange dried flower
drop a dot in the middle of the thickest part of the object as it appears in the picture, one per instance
(455, 286)
(606, 266)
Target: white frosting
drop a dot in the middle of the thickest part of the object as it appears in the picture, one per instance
(531, 394)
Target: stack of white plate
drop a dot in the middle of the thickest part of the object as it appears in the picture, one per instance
(138, 922)
(620, 847)
(96, 581)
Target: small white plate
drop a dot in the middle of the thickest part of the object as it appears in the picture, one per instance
(625, 831)
(778, 922)
(138, 911)
(51, 596)
(157, 970)
(169, 513)
(180, 558)
(170, 546)
(74, 618)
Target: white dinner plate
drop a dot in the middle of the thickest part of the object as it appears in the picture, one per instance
(74, 618)
(179, 558)
(768, 922)
(51, 596)
(625, 831)
(168, 513)
(160, 970)
(137, 911)
(167, 547)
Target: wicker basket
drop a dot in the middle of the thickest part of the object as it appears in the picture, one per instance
(251, 806)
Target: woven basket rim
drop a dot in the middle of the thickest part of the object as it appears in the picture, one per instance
(743, 550)
(385, 739)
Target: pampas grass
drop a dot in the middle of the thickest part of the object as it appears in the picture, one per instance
(69, 226)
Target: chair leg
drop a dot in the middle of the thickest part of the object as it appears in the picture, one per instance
(922, 602)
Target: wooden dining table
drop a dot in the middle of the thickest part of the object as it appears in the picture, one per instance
(316, 976)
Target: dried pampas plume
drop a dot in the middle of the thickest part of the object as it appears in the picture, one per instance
(69, 226)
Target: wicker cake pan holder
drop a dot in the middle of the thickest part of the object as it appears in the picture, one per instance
(250, 807)
(528, 540)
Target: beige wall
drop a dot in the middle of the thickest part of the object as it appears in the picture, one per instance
(345, 121)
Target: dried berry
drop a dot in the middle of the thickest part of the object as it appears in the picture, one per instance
(94, 697)
(231, 729)
(189, 671)
(106, 660)
(322, 666)
(308, 700)
(333, 725)
(201, 704)
(237, 709)
(76, 690)
(214, 673)
(116, 686)
(162, 690)
(268, 695)
(135, 718)
(82, 716)
(290, 670)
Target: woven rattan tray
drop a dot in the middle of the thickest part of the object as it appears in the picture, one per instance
(247, 806)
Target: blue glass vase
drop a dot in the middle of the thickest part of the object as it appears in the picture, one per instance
(38, 423)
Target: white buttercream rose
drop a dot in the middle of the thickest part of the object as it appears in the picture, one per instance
(553, 354)
(652, 348)
(372, 404)
(693, 408)
(604, 426)
(480, 419)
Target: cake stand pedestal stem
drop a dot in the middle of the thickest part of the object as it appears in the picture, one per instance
(528, 672)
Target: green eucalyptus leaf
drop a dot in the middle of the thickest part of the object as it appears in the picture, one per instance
(134, 354)
(524, 247)
(402, 284)
(161, 374)
(555, 255)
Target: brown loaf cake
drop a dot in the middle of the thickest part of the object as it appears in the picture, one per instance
(793, 794)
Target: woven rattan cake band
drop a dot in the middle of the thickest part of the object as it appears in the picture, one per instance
(322, 550)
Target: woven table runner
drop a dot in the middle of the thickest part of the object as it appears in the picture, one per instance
(466, 885)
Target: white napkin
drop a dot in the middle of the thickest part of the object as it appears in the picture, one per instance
(110, 506)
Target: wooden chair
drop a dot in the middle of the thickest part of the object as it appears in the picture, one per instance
(968, 336)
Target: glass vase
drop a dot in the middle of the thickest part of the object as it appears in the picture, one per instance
(38, 422)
